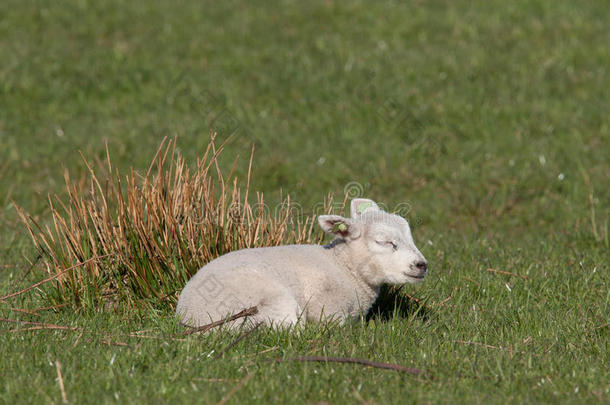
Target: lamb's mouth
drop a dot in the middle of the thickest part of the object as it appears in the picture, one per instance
(419, 277)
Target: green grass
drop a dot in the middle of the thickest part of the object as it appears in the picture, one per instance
(489, 118)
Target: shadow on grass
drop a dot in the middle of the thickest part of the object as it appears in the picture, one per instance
(392, 303)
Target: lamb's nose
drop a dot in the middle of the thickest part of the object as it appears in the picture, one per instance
(423, 266)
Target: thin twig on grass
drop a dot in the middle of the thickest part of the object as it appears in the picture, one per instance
(246, 312)
(411, 297)
(467, 342)
(509, 349)
(33, 326)
(44, 327)
(264, 351)
(215, 380)
(236, 341)
(46, 280)
(443, 302)
(64, 397)
(235, 389)
(362, 362)
(25, 311)
(38, 325)
(109, 342)
(138, 336)
(35, 311)
(472, 281)
(78, 339)
(508, 273)
(418, 301)
(107, 339)
(166, 296)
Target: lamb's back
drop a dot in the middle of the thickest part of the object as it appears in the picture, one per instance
(284, 263)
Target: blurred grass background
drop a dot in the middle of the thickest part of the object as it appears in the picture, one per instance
(489, 118)
(465, 108)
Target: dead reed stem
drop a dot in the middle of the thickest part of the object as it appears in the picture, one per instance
(46, 280)
(204, 328)
(350, 360)
(236, 341)
(508, 273)
(60, 379)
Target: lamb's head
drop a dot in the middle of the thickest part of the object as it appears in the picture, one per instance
(379, 244)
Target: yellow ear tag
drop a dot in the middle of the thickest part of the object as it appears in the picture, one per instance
(362, 207)
(339, 227)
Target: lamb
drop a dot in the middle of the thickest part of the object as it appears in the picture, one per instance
(290, 283)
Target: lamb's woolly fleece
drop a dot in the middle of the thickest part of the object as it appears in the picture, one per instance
(308, 282)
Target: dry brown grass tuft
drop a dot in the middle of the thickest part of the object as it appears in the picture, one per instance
(142, 236)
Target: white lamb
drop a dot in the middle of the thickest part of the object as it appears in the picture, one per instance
(311, 282)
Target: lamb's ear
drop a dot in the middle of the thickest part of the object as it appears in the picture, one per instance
(359, 205)
(342, 227)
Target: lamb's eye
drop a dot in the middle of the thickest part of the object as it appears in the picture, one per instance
(391, 244)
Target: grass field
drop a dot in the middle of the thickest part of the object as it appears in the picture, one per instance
(490, 119)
